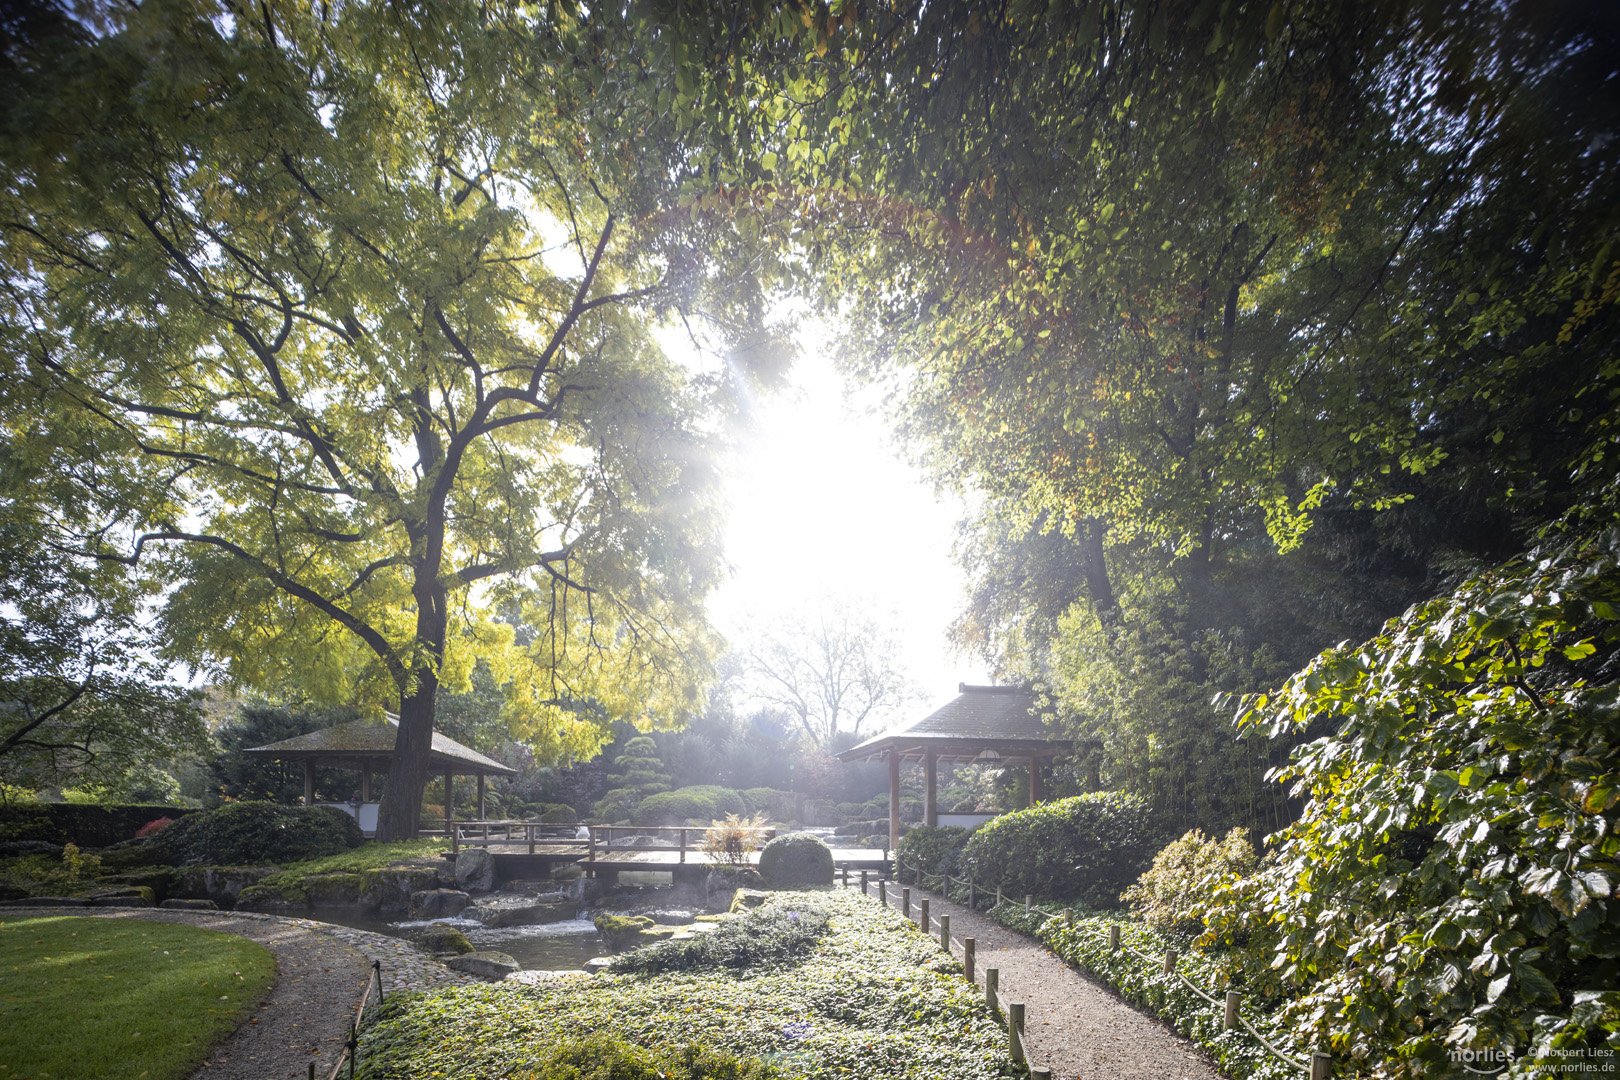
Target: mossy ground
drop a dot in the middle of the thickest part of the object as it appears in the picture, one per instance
(86, 997)
(873, 998)
(290, 882)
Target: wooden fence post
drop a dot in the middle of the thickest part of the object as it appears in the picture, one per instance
(973, 898)
(883, 891)
(1029, 901)
(905, 903)
(998, 896)
(1232, 999)
(1113, 939)
(922, 914)
(1015, 1031)
(1040, 1072)
(863, 882)
(846, 877)
(1320, 1064)
(992, 983)
(1068, 918)
(968, 945)
(945, 933)
(1169, 961)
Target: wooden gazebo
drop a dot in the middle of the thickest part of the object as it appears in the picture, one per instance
(369, 748)
(982, 723)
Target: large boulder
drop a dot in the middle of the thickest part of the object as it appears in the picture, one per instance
(491, 965)
(621, 932)
(475, 870)
(723, 882)
(524, 911)
(390, 889)
(221, 884)
(796, 859)
(324, 889)
(438, 903)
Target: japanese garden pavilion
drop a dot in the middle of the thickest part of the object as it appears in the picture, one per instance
(369, 748)
(984, 724)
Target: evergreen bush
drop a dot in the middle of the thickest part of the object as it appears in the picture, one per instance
(796, 859)
(242, 833)
(1086, 848)
(770, 937)
(931, 850)
(703, 802)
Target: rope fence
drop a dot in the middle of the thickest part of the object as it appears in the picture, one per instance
(351, 1047)
(1011, 1013)
(1319, 1067)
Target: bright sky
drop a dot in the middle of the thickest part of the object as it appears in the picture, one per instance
(823, 504)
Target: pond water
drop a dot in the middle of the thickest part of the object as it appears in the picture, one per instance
(558, 946)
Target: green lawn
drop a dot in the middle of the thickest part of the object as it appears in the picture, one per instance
(88, 998)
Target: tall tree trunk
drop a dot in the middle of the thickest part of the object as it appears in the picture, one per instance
(401, 811)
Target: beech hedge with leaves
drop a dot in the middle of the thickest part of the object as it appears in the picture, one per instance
(1451, 884)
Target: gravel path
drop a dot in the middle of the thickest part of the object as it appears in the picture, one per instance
(1073, 1025)
(321, 973)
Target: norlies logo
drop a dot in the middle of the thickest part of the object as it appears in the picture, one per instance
(1487, 1062)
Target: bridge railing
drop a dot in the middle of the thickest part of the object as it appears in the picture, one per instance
(493, 833)
(682, 838)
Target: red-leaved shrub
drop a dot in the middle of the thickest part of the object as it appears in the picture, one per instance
(153, 826)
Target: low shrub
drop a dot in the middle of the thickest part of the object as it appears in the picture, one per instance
(153, 826)
(243, 833)
(557, 814)
(605, 1058)
(703, 802)
(89, 826)
(731, 841)
(931, 850)
(1167, 896)
(776, 936)
(1086, 848)
(796, 859)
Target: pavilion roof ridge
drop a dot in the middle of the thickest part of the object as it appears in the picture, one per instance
(363, 739)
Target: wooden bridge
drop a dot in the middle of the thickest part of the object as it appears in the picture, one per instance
(522, 848)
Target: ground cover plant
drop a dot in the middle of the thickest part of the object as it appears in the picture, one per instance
(760, 938)
(873, 997)
(603, 1058)
(83, 997)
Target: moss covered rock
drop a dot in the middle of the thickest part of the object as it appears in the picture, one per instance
(444, 939)
(334, 888)
(796, 859)
(622, 932)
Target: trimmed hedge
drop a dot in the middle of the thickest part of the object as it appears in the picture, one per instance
(703, 802)
(797, 858)
(85, 824)
(930, 849)
(245, 833)
(1087, 848)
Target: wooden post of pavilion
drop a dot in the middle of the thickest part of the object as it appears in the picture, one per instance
(930, 783)
(365, 781)
(894, 799)
(480, 796)
(309, 782)
(1034, 779)
(449, 799)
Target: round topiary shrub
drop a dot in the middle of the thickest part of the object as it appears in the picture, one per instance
(796, 859)
(1087, 848)
(243, 833)
(703, 802)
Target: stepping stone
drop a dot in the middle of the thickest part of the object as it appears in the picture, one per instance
(494, 966)
(178, 904)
